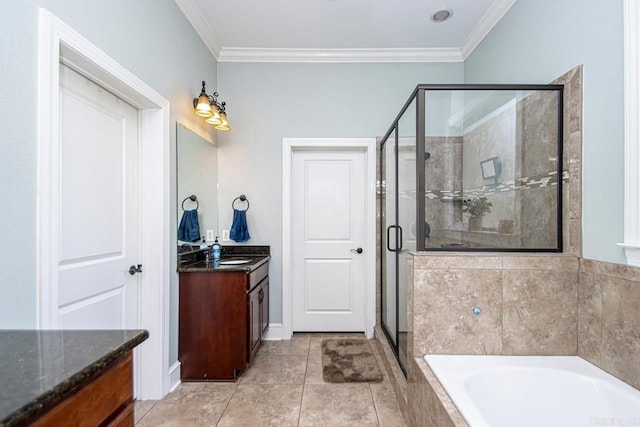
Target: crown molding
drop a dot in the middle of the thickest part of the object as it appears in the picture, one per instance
(495, 13)
(194, 15)
(340, 55)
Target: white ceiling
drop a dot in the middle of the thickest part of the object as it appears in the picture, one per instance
(341, 30)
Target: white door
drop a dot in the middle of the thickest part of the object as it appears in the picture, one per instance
(98, 207)
(328, 226)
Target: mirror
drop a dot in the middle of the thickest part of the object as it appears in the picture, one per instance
(197, 174)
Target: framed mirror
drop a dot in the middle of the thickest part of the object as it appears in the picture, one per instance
(197, 175)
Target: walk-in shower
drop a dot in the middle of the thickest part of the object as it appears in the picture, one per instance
(489, 179)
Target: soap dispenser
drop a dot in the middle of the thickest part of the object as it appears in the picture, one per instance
(203, 245)
(216, 250)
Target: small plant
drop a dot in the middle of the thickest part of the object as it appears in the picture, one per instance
(476, 207)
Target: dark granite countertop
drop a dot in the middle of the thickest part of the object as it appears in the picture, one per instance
(39, 368)
(254, 261)
(195, 262)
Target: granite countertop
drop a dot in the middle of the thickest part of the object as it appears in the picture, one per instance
(195, 262)
(254, 261)
(39, 368)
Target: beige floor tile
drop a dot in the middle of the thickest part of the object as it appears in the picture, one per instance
(298, 344)
(268, 368)
(314, 364)
(191, 404)
(141, 407)
(337, 405)
(263, 405)
(319, 336)
(386, 404)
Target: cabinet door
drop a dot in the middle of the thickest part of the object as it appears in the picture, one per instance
(265, 305)
(254, 320)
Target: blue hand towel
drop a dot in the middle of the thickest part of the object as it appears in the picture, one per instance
(189, 229)
(239, 230)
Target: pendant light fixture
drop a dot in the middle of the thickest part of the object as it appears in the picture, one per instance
(208, 107)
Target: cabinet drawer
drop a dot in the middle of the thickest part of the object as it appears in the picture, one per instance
(97, 401)
(257, 275)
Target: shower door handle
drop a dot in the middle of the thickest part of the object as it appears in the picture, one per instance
(398, 238)
(388, 230)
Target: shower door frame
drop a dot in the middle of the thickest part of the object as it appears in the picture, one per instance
(419, 95)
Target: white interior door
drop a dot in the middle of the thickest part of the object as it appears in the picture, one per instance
(98, 207)
(328, 226)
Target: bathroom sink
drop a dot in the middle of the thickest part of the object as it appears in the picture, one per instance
(234, 261)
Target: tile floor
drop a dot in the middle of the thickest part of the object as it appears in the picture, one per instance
(283, 387)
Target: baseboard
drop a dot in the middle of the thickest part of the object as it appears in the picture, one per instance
(274, 333)
(174, 376)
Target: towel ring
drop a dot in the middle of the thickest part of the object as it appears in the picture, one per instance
(193, 198)
(242, 198)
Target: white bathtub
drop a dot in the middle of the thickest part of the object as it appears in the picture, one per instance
(523, 391)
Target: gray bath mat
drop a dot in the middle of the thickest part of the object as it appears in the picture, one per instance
(349, 361)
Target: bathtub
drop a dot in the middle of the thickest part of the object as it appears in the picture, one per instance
(523, 391)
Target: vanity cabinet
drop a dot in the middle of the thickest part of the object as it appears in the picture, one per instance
(221, 321)
(106, 400)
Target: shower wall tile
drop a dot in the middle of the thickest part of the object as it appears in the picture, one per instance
(590, 318)
(574, 190)
(573, 148)
(540, 312)
(528, 304)
(445, 322)
(572, 160)
(540, 262)
(621, 329)
(431, 405)
(575, 237)
(416, 406)
(619, 271)
(608, 316)
(458, 261)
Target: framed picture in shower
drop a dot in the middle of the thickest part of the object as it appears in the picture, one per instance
(490, 168)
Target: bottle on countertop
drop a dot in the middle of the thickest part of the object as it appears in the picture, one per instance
(216, 250)
(203, 245)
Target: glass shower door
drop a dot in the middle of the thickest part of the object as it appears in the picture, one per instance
(407, 224)
(389, 239)
(398, 230)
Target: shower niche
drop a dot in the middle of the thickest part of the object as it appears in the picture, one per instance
(468, 168)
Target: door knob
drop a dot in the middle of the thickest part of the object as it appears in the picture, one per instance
(133, 269)
(357, 251)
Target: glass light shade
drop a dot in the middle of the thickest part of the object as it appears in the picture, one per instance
(224, 123)
(203, 108)
(214, 120)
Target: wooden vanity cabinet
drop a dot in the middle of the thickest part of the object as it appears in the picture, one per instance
(221, 316)
(106, 400)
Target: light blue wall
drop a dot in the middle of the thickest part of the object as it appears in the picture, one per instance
(268, 102)
(153, 40)
(536, 42)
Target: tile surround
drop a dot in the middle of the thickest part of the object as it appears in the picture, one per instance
(608, 320)
(540, 312)
(444, 322)
(549, 304)
(528, 304)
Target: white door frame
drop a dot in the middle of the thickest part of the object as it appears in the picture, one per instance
(368, 145)
(59, 43)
